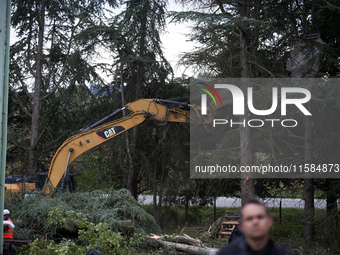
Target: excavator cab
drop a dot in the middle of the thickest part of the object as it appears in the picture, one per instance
(26, 180)
(21, 179)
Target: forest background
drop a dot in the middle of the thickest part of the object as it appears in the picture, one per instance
(59, 84)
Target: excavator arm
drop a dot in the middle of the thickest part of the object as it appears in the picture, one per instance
(141, 110)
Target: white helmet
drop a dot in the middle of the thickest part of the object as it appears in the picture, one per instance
(6, 212)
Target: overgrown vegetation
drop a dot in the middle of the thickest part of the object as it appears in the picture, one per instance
(99, 236)
(78, 221)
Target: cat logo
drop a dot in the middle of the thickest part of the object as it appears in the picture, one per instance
(110, 132)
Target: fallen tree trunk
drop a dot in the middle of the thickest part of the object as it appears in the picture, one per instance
(183, 244)
(182, 239)
(190, 249)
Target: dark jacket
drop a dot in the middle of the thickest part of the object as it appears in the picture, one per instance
(236, 234)
(240, 247)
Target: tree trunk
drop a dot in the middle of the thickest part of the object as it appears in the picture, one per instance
(190, 249)
(309, 228)
(36, 104)
(247, 184)
(160, 195)
(214, 209)
(133, 175)
(155, 194)
(332, 224)
(157, 205)
(127, 140)
(186, 209)
(246, 151)
(331, 208)
(130, 147)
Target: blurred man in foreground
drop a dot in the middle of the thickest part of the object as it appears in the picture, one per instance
(255, 224)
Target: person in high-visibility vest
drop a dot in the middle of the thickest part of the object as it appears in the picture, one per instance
(8, 230)
(8, 225)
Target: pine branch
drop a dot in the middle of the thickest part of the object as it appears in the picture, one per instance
(63, 72)
(21, 105)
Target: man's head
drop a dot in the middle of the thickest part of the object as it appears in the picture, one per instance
(255, 220)
(6, 214)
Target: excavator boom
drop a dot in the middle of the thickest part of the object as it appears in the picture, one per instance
(141, 110)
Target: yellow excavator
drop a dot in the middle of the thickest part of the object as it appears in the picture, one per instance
(98, 133)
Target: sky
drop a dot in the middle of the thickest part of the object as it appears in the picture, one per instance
(174, 41)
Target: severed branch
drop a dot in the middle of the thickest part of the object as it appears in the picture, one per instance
(194, 250)
(179, 239)
(184, 244)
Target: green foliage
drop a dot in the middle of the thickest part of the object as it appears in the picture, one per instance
(314, 250)
(98, 170)
(45, 216)
(99, 237)
(49, 247)
(89, 235)
(286, 232)
(84, 221)
(56, 216)
(48, 25)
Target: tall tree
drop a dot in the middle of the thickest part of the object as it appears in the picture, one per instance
(246, 146)
(138, 67)
(45, 57)
(249, 39)
(229, 32)
(145, 65)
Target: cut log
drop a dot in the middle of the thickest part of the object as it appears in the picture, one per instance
(183, 239)
(184, 244)
(189, 249)
(178, 239)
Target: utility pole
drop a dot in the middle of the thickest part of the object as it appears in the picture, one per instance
(5, 21)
